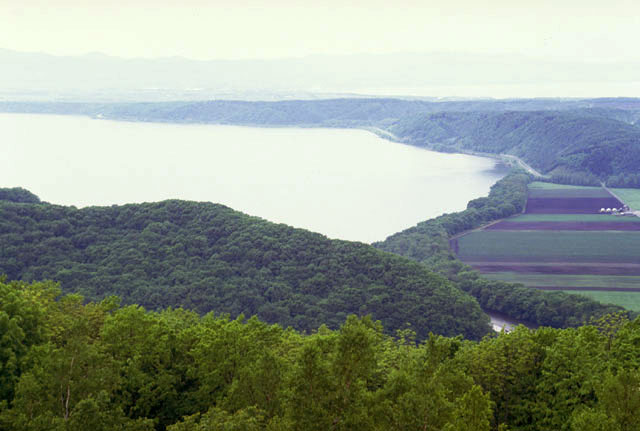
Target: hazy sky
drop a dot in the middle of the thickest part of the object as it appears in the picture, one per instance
(232, 29)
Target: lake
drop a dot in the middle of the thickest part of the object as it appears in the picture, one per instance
(344, 183)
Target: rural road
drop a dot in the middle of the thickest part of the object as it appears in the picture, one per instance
(383, 134)
(524, 165)
(507, 157)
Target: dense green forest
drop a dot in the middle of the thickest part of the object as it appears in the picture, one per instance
(18, 194)
(207, 257)
(67, 365)
(573, 146)
(428, 243)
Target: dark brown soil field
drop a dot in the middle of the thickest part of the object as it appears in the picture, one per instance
(562, 268)
(570, 205)
(564, 225)
(569, 193)
(595, 289)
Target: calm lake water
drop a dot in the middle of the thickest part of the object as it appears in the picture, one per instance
(344, 183)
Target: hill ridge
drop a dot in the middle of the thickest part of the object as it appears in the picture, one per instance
(206, 257)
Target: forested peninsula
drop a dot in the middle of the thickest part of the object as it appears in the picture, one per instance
(573, 147)
(208, 257)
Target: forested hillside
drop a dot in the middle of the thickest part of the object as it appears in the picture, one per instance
(582, 146)
(207, 257)
(428, 242)
(69, 366)
(343, 112)
(18, 194)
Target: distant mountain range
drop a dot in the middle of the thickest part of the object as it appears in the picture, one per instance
(37, 76)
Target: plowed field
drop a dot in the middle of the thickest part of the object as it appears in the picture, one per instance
(565, 225)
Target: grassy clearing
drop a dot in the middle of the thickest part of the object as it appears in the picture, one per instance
(550, 246)
(539, 189)
(628, 300)
(570, 217)
(630, 197)
(564, 280)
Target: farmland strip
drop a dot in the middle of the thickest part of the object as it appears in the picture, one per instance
(558, 268)
(569, 193)
(577, 225)
(594, 289)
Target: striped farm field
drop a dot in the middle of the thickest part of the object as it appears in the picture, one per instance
(564, 242)
(628, 300)
(549, 246)
(564, 280)
(547, 198)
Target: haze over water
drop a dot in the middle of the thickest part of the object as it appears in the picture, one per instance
(344, 183)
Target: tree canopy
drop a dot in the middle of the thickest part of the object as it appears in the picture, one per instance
(207, 257)
(580, 146)
(68, 365)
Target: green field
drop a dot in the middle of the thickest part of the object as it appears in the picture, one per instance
(570, 217)
(553, 186)
(549, 190)
(628, 300)
(550, 246)
(630, 197)
(564, 280)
